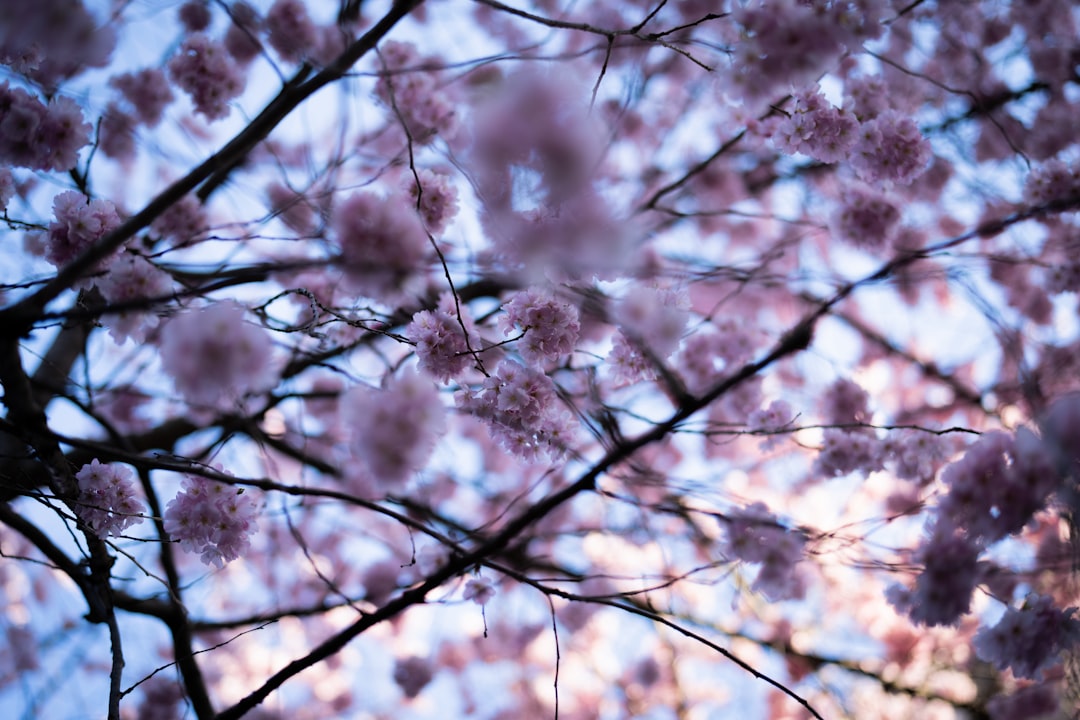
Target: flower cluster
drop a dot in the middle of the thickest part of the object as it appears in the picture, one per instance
(107, 501)
(654, 317)
(755, 536)
(943, 590)
(425, 109)
(38, 136)
(181, 222)
(242, 38)
(204, 70)
(890, 148)
(216, 358)
(997, 485)
(705, 354)
(845, 452)
(550, 326)
(212, 519)
(382, 243)
(129, 279)
(1029, 639)
(49, 40)
(440, 343)
(412, 674)
(480, 590)
(291, 32)
(817, 129)
(789, 43)
(1052, 181)
(437, 197)
(523, 409)
(394, 428)
(866, 219)
(147, 91)
(80, 223)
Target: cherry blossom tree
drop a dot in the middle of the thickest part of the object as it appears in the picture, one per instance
(469, 358)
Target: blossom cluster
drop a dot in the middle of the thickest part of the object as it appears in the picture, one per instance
(1053, 180)
(425, 109)
(997, 485)
(817, 129)
(80, 223)
(204, 70)
(49, 40)
(211, 518)
(1029, 639)
(181, 222)
(107, 502)
(394, 428)
(866, 219)
(890, 148)
(705, 354)
(441, 347)
(550, 326)
(790, 43)
(38, 136)
(885, 148)
(214, 357)
(290, 30)
(523, 409)
(436, 198)
(383, 244)
(128, 280)
(544, 216)
(993, 491)
(754, 535)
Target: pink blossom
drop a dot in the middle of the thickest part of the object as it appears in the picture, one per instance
(215, 357)
(194, 15)
(128, 280)
(998, 484)
(182, 222)
(817, 129)
(437, 197)
(654, 317)
(890, 148)
(943, 589)
(440, 344)
(753, 535)
(417, 100)
(866, 219)
(523, 409)
(1029, 639)
(117, 133)
(242, 38)
(80, 223)
(394, 428)
(205, 71)
(550, 327)
(211, 518)
(382, 244)
(1053, 180)
(291, 32)
(148, 92)
(480, 590)
(107, 502)
(50, 40)
(412, 674)
(37, 136)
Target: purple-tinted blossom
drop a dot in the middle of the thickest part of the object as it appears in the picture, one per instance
(550, 326)
(1029, 639)
(107, 502)
(205, 71)
(212, 519)
(80, 223)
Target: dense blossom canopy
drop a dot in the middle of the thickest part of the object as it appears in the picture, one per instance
(538, 358)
